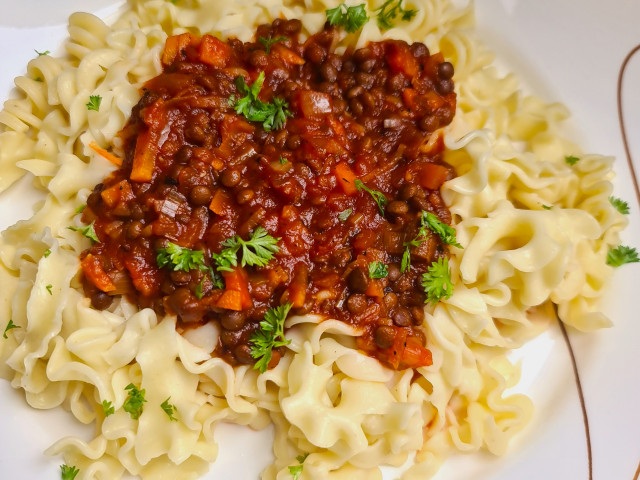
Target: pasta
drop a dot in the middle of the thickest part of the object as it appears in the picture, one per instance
(535, 231)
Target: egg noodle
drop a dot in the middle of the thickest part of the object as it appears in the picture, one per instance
(534, 228)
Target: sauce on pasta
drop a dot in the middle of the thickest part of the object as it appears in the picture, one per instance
(341, 180)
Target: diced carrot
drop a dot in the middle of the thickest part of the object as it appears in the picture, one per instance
(220, 203)
(431, 67)
(174, 45)
(346, 178)
(394, 354)
(401, 59)
(120, 192)
(214, 51)
(231, 300)
(287, 55)
(106, 154)
(94, 272)
(434, 100)
(337, 127)
(435, 144)
(414, 354)
(236, 281)
(144, 159)
(432, 176)
(299, 284)
(409, 95)
(374, 289)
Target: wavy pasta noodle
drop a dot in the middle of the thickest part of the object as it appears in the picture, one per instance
(535, 230)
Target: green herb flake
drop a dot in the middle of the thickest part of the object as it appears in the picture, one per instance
(405, 264)
(80, 209)
(257, 251)
(296, 470)
(180, 258)
(49, 287)
(270, 335)
(547, 207)
(345, 214)
(350, 18)
(198, 291)
(446, 233)
(620, 205)
(38, 79)
(388, 12)
(269, 42)
(282, 160)
(88, 231)
(437, 282)
(620, 255)
(169, 409)
(378, 196)
(47, 252)
(107, 408)
(68, 473)
(134, 402)
(10, 326)
(94, 102)
(272, 115)
(378, 270)
(571, 160)
(46, 52)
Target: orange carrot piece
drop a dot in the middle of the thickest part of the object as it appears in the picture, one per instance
(220, 203)
(231, 300)
(117, 161)
(94, 272)
(237, 281)
(214, 51)
(174, 45)
(414, 354)
(374, 289)
(120, 192)
(401, 59)
(144, 158)
(432, 176)
(346, 178)
(287, 55)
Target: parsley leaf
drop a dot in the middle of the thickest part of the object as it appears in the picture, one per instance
(345, 214)
(378, 270)
(620, 205)
(169, 409)
(81, 208)
(405, 264)
(446, 233)
(272, 115)
(296, 470)
(379, 197)
(282, 160)
(38, 79)
(134, 402)
(10, 326)
(389, 11)
(257, 251)
(107, 408)
(437, 282)
(46, 52)
(68, 473)
(621, 255)
(180, 258)
(270, 335)
(351, 18)
(94, 102)
(571, 160)
(269, 42)
(47, 252)
(49, 287)
(198, 291)
(88, 231)
(547, 207)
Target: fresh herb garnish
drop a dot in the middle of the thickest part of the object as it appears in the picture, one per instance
(49, 287)
(269, 42)
(38, 79)
(428, 221)
(107, 408)
(351, 18)
(620, 205)
(390, 10)
(571, 160)
(257, 251)
(296, 470)
(80, 208)
(378, 270)
(345, 214)
(134, 402)
(88, 231)
(180, 258)
(47, 252)
(270, 335)
(437, 282)
(10, 326)
(621, 255)
(198, 291)
(282, 160)
(169, 409)
(547, 207)
(94, 102)
(46, 52)
(68, 473)
(272, 115)
(379, 197)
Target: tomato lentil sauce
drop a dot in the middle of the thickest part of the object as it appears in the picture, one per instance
(196, 173)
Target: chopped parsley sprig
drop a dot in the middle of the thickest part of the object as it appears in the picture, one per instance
(107, 408)
(88, 231)
(257, 251)
(135, 401)
(620, 205)
(622, 254)
(169, 409)
(378, 270)
(378, 197)
(296, 470)
(94, 102)
(388, 12)
(344, 215)
(68, 473)
(180, 258)
(350, 18)
(428, 221)
(272, 115)
(10, 326)
(269, 42)
(571, 160)
(270, 335)
(437, 282)
(40, 54)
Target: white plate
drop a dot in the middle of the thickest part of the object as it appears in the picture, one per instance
(569, 51)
